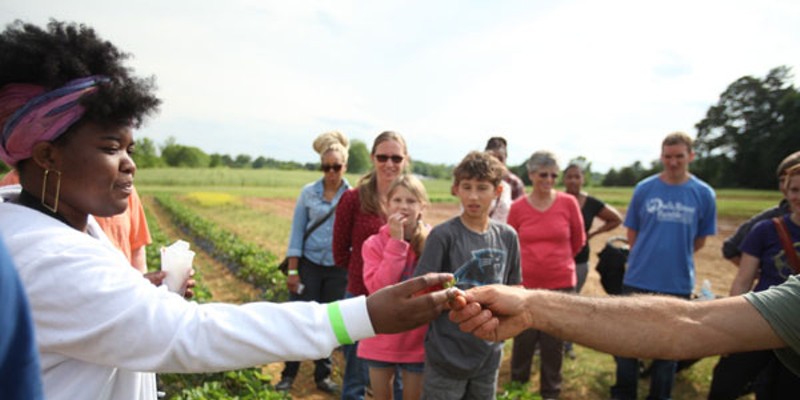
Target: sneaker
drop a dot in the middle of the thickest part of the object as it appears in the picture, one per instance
(285, 384)
(327, 385)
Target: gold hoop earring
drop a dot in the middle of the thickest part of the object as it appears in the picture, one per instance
(54, 208)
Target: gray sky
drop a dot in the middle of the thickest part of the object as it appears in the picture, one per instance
(605, 80)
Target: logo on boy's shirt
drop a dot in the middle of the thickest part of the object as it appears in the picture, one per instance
(486, 267)
(671, 211)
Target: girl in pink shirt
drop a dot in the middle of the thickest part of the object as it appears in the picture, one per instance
(390, 256)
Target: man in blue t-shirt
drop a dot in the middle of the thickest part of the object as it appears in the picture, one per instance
(668, 220)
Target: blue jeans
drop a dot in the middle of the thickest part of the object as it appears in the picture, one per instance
(662, 372)
(356, 374)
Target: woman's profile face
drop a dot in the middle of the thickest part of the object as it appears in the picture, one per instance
(389, 159)
(96, 170)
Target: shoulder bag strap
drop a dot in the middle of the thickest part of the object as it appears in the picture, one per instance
(319, 222)
(786, 242)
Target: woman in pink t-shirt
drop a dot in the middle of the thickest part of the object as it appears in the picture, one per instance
(551, 233)
(390, 256)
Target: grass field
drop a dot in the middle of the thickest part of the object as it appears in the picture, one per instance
(731, 203)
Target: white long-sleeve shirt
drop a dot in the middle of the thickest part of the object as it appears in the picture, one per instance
(98, 322)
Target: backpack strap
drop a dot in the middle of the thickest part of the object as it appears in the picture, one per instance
(786, 242)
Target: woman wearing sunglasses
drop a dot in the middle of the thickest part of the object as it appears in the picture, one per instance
(312, 273)
(360, 215)
(551, 233)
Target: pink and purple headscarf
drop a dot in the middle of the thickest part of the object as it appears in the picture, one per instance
(30, 114)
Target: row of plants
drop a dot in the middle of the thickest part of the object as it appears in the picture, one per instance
(243, 384)
(249, 262)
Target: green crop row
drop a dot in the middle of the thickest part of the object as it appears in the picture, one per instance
(247, 261)
(244, 384)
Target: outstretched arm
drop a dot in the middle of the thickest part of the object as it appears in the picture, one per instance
(636, 326)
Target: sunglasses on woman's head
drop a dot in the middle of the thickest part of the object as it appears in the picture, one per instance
(382, 158)
(545, 175)
(334, 167)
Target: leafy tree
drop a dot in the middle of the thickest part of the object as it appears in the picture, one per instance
(242, 161)
(260, 162)
(146, 154)
(215, 160)
(358, 157)
(226, 160)
(750, 129)
(176, 155)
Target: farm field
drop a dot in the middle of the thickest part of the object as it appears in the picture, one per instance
(258, 205)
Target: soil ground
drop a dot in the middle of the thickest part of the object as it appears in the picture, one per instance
(225, 287)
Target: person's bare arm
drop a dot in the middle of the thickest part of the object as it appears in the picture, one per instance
(735, 260)
(745, 276)
(699, 243)
(632, 326)
(611, 218)
(139, 259)
(631, 234)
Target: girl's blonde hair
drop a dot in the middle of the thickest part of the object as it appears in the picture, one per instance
(415, 186)
(332, 141)
(368, 184)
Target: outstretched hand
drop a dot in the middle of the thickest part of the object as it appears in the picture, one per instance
(409, 304)
(494, 312)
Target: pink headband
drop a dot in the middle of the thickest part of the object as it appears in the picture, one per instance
(29, 114)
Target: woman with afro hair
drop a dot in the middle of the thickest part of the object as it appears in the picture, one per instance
(68, 107)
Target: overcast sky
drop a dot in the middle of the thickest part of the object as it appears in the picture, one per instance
(604, 80)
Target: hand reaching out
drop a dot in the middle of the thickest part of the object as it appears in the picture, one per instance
(401, 307)
(494, 312)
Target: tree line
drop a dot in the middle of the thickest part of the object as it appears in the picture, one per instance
(740, 141)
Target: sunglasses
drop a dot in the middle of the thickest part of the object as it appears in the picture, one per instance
(334, 167)
(545, 175)
(382, 158)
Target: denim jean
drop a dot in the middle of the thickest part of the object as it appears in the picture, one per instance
(662, 372)
(322, 284)
(356, 374)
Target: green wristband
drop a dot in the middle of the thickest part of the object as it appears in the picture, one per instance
(337, 323)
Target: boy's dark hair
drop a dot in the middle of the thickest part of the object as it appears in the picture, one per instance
(481, 166)
(64, 52)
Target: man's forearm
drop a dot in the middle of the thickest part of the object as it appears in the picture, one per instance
(652, 326)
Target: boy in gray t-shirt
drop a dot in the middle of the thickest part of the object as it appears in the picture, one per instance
(478, 252)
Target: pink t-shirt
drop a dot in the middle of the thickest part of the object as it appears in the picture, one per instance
(548, 241)
(388, 261)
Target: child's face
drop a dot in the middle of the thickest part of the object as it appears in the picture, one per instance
(476, 196)
(403, 202)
